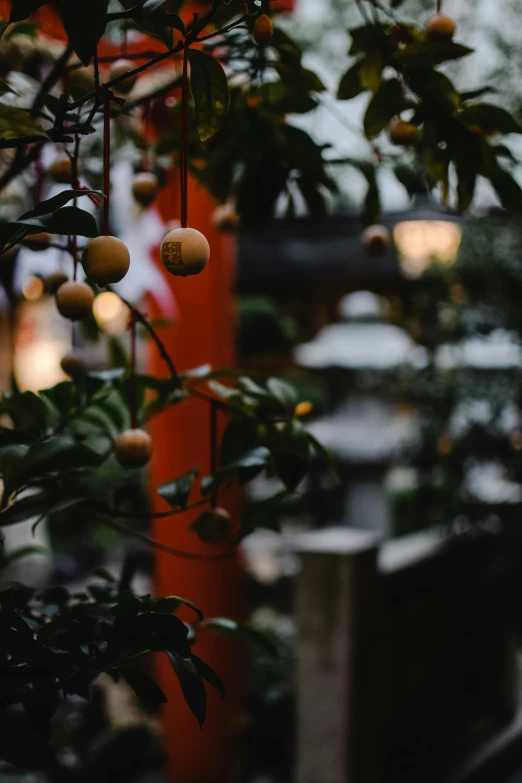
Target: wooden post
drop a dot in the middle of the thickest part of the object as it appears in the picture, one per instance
(337, 613)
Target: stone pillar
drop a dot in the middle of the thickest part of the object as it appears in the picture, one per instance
(336, 683)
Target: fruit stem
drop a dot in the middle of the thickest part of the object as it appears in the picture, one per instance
(132, 373)
(124, 37)
(75, 186)
(213, 450)
(106, 159)
(439, 6)
(184, 140)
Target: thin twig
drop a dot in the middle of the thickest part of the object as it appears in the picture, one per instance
(160, 345)
(112, 523)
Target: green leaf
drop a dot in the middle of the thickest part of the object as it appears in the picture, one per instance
(470, 95)
(209, 675)
(245, 468)
(489, 118)
(351, 85)
(15, 122)
(507, 188)
(427, 54)
(21, 9)
(59, 453)
(191, 685)
(177, 492)
(210, 92)
(370, 38)
(384, 105)
(283, 392)
(226, 627)
(57, 202)
(27, 508)
(154, 22)
(84, 24)
(370, 72)
(171, 603)
(68, 221)
(143, 686)
(263, 513)
(434, 87)
(23, 551)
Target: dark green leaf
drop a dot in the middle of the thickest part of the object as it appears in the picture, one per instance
(68, 221)
(177, 492)
(384, 105)
(85, 24)
(283, 392)
(15, 122)
(143, 686)
(370, 71)
(434, 87)
(24, 551)
(210, 92)
(191, 685)
(57, 202)
(427, 54)
(351, 85)
(263, 513)
(226, 627)
(21, 9)
(209, 675)
(171, 603)
(489, 118)
(245, 468)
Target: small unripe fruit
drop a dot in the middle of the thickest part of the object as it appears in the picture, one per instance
(133, 448)
(403, 133)
(82, 77)
(73, 365)
(226, 218)
(263, 30)
(37, 241)
(376, 239)
(54, 281)
(61, 170)
(118, 69)
(106, 260)
(74, 300)
(145, 187)
(185, 251)
(440, 28)
(303, 409)
(213, 526)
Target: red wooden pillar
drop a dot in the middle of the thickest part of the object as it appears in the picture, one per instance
(202, 334)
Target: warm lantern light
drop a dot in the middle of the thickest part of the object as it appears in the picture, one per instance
(33, 288)
(423, 242)
(110, 312)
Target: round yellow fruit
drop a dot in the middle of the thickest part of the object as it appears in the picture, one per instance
(119, 68)
(82, 77)
(39, 241)
(226, 218)
(145, 187)
(404, 133)
(263, 30)
(376, 239)
(185, 251)
(73, 365)
(74, 300)
(133, 448)
(61, 170)
(106, 260)
(440, 28)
